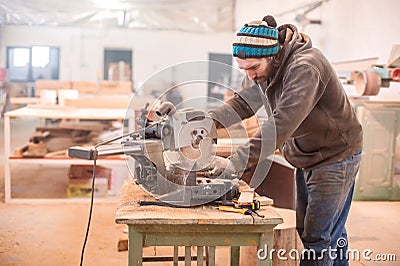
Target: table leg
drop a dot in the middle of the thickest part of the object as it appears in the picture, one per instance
(266, 243)
(176, 255)
(135, 247)
(188, 256)
(211, 256)
(7, 151)
(235, 255)
(200, 256)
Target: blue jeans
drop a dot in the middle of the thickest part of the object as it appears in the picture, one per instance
(323, 201)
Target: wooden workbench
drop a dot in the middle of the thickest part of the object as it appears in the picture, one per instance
(202, 226)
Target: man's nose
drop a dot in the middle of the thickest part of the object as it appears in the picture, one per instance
(251, 75)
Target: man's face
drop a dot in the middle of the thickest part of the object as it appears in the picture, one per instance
(256, 69)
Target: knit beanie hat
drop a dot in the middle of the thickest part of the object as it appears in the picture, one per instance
(257, 39)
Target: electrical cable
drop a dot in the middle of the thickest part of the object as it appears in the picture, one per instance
(90, 211)
(94, 177)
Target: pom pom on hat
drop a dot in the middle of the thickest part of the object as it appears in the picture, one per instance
(270, 21)
(257, 39)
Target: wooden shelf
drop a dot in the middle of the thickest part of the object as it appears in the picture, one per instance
(57, 112)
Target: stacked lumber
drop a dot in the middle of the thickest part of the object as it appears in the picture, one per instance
(85, 87)
(54, 140)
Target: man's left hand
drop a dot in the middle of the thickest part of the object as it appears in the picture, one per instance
(221, 165)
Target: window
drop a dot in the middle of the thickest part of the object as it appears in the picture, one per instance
(27, 64)
(117, 65)
(220, 74)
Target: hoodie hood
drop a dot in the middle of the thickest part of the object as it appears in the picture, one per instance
(294, 42)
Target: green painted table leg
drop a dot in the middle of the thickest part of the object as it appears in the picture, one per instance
(211, 256)
(200, 253)
(135, 247)
(188, 256)
(235, 255)
(176, 255)
(266, 243)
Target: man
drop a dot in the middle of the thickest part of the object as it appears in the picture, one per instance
(316, 130)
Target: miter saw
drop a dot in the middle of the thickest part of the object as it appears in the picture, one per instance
(172, 156)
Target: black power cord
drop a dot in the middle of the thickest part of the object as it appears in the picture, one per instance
(90, 211)
(94, 177)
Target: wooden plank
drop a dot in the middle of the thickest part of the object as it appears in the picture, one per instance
(259, 225)
(264, 200)
(24, 100)
(116, 87)
(123, 243)
(102, 87)
(85, 87)
(83, 125)
(47, 84)
(35, 150)
(99, 101)
(20, 151)
(40, 111)
(246, 197)
(200, 239)
(63, 152)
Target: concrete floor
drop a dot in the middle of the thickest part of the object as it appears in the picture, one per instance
(52, 234)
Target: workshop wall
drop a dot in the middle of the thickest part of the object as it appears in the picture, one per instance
(82, 49)
(360, 29)
(350, 29)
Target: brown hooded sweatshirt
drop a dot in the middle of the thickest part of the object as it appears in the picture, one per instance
(311, 119)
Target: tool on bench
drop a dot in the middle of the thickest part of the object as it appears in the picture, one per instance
(172, 156)
(256, 213)
(154, 203)
(247, 210)
(246, 200)
(233, 209)
(226, 203)
(255, 205)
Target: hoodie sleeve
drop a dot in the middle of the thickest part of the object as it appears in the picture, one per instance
(244, 104)
(302, 89)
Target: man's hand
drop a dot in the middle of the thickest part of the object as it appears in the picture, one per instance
(221, 165)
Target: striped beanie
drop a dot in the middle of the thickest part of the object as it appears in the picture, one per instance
(257, 39)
